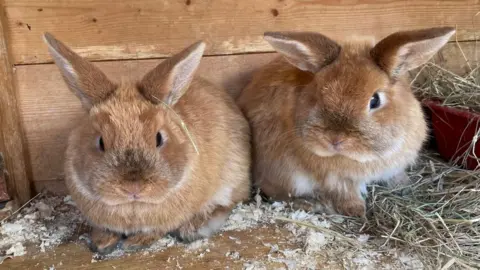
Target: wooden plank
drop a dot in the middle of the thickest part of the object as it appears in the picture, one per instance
(151, 28)
(460, 58)
(252, 245)
(11, 133)
(49, 110)
(56, 187)
(3, 181)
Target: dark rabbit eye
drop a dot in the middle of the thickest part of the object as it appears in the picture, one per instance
(375, 101)
(100, 144)
(159, 139)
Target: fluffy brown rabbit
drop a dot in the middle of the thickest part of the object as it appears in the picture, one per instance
(327, 119)
(168, 154)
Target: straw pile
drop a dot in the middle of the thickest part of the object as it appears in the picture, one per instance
(434, 81)
(438, 215)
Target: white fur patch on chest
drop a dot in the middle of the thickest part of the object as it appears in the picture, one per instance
(302, 183)
(333, 182)
(223, 196)
(385, 175)
(213, 225)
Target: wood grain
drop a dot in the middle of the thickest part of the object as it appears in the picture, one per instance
(11, 133)
(3, 181)
(460, 58)
(252, 245)
(56, 187)
(49, 110)
(152, 28)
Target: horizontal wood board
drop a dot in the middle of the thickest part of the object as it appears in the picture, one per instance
(251, 245)
(140, 29)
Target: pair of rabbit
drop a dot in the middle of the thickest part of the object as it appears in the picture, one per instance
(172, 152)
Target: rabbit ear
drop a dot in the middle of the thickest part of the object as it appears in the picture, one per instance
(88, 83)
(170, 80)
(305, 50)
(403, 51)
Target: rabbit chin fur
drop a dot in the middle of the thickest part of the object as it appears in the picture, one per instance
(224, 197)
(315, 132)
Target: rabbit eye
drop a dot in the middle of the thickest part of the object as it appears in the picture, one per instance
(100, 144)
(375, 101)
(159, 139)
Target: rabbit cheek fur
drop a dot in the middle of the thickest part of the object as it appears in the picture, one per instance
(315, 133)
(130, 165)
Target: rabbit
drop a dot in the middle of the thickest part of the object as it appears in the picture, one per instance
(169, 154)
(328, 118)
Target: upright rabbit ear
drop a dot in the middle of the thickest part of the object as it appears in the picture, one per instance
(85, 80)
(403, 51)
(170, 80)
(305, 50)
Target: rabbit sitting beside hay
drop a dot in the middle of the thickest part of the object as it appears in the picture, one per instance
(168, 154)
(327, 119)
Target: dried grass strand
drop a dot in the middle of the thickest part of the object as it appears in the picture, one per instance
(182, 124)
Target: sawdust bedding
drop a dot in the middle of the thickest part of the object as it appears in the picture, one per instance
(52, 220)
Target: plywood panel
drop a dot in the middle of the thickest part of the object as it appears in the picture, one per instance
(49, 110)
(153, 28)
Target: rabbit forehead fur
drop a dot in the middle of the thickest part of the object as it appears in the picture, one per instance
(128, 121)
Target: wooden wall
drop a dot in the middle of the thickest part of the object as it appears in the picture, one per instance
(130, 37)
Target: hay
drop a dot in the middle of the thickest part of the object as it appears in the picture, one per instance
(438, 215)
(434, 81)
(182, 124)
(463, 92)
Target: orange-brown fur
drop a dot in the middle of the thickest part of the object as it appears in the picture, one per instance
(176, 187)
(217, 141)
(294, 115)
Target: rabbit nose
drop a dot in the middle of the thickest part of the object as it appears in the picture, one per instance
(337, 141)
(131, 189)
